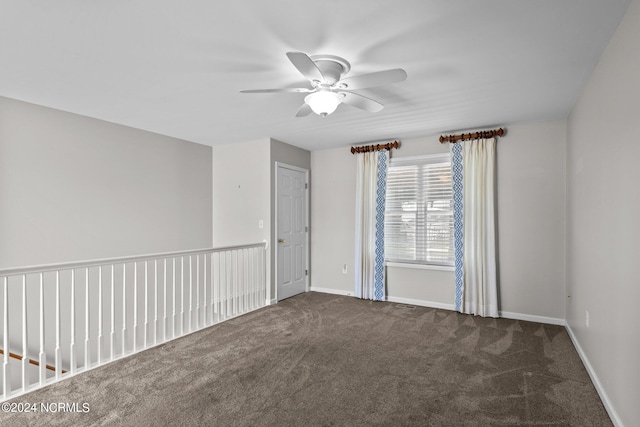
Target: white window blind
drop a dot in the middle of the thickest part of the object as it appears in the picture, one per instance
(419, 211)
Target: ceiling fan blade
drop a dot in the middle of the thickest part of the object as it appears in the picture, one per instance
(305, 65)
(361, 102)
(304, 110)
(378, 78)
(286, 90)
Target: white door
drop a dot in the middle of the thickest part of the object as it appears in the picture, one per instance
(291, 232)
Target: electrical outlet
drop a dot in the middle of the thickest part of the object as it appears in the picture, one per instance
(344, 269)
(586, 318)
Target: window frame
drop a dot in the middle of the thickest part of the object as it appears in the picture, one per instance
(413, 161)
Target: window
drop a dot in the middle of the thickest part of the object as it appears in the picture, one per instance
(419, 211)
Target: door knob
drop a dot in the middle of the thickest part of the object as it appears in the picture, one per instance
(280, 240)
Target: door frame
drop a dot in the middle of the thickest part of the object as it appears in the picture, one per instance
(306, 221)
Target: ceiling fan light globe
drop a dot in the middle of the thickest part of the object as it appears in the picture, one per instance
(323, 103)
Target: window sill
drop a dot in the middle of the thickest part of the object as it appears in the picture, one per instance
(419, 266)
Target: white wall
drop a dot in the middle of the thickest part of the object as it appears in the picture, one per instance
(333, 177)
(531, 212)
(530, 181)
(74, 188)
(603, 212)
(241, 193)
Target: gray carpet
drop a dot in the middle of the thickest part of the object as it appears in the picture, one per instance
(326, 360)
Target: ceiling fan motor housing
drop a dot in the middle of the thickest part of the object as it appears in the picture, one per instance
(332, 67)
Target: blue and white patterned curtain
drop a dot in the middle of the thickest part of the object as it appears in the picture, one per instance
(371, 184)
(473, 169)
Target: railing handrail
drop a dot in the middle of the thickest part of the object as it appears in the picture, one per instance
(44, 268)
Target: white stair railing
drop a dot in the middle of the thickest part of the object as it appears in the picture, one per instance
(62, 319)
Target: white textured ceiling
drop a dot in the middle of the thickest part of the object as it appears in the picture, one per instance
(176, 67)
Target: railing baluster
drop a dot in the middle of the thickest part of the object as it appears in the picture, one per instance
(173, 329)
(229, 271)
(232, 284)
(247, 267)
(256, 273)
(249, 280)
(25, 357)
(226, 279)
(86, 318)
(197, 291)
(243, 277)
(146, 305)
(72, 345)
(252, 282)
(124, 309)
(113, 313)
(240, 283)
(155, 301)
(6, 384)
(58, 355)
(181, 295)
(236, 284)
(223, 286)
(164, 290)
(135, 306)
(42, 357)
(217, 289)
(245, 282)
(249, 264)
(256, 286)
(263, 278)
(214, 295)
(100, 313)
(190, 293)
(204, 288)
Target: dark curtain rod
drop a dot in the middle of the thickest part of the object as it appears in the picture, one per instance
(376, 147)
(475, 135)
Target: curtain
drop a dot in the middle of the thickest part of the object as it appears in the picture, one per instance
(473, 168)
(371, 184)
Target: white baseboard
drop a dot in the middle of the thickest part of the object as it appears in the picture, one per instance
(421, 303)
(615, 419)
(445, 306)
(331, 291)
(533, 318)
(272, 302)
(398, 300)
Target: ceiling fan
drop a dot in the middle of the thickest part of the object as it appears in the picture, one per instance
(328, 87)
